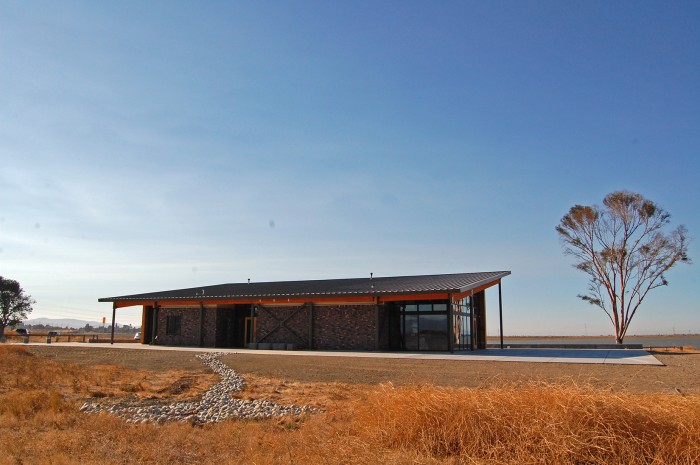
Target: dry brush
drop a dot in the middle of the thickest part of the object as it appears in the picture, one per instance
(519, 423)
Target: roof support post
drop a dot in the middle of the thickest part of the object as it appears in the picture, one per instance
(450, 324)
(500, 312)
(474, 327)
(252, 326)
(154, 325)
(201, 324)
(114, 316)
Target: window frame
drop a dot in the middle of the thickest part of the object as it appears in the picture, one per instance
(173, 325)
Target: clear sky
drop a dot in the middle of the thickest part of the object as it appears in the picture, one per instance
(158, 145)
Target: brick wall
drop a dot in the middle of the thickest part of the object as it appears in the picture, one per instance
(209, 329)
(385, 330)
(345, 327)
(335, 327)
(269, 329)
(189, 327)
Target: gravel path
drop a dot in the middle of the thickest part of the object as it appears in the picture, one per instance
(216, 404)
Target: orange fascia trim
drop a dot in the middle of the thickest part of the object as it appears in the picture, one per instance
(397, 298)
(296, 300)
(303, 300)
(131, 304)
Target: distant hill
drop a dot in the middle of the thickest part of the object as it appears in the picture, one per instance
(65, 322)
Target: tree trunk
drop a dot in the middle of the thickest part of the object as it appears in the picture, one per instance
(619, 331)
(2, 333)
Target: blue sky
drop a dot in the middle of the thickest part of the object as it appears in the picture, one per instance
(157, 145)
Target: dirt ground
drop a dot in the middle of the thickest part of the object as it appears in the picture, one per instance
(681, 373)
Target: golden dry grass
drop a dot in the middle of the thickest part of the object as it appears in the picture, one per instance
(535, 423)
(519, 423)
(687, 349)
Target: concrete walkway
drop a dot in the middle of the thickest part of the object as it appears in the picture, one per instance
(592, 356)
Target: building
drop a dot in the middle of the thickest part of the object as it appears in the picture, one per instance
(431, 312)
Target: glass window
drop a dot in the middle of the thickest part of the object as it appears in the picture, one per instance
(466, 333)
(456, 331)
(461, 336)
(410, 332)
(422, 328)
(173, 325)
(432, 332)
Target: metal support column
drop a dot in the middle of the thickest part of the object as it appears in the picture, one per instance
(450, 324)
(500, 312)
(154, 325)
(252, 325)
(114, 316)
(474, 327)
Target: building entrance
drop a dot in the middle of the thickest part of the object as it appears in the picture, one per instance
(420, 325)
(233, 325)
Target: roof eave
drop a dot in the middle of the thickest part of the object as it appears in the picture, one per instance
(153, 297)
(483, 282)
(274, 296)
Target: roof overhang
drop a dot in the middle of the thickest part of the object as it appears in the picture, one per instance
(357, 290)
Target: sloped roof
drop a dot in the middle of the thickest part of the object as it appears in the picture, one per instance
(377, 286)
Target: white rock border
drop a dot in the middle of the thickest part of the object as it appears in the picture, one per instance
(215, 406)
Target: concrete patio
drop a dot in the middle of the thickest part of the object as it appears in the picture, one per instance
(577, 356)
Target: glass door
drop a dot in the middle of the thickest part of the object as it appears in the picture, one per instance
(410, 332)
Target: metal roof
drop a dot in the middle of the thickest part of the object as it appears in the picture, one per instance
(370, 286)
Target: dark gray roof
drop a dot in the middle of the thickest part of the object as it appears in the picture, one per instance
(377, 286)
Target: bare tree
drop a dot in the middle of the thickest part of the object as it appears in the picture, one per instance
(624, 251)
(14, 304)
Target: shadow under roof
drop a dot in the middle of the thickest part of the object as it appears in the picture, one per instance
(377, 286)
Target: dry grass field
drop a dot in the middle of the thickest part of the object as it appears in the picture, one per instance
(375, 411)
